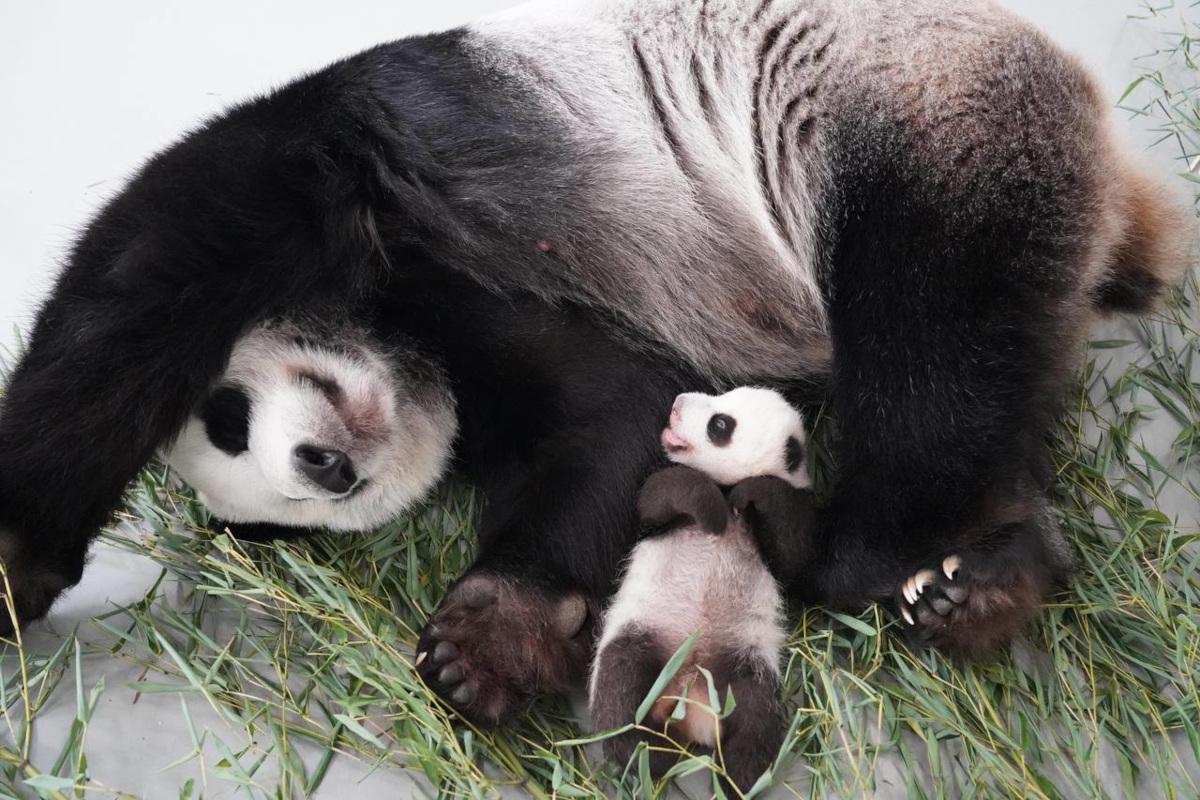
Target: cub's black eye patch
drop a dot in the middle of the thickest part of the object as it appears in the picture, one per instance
(793, 454)
(226, 417)
(720, 429)
(327, 387)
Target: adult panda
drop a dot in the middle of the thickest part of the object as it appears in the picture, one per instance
(921, 198)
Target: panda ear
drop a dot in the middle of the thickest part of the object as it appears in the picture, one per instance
(793, 454)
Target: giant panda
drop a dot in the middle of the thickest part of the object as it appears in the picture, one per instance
(706, 567)
(575, 206)
(314, 425)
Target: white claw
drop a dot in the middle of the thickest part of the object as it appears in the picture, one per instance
(910, 591)
(421, 657)
(923, 580)
(950, 566)
(908, 617)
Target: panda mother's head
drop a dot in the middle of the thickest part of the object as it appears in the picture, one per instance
(317, 427)
(744, 433)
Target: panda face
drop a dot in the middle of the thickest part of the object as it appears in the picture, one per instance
(741, 434)
(334, 431)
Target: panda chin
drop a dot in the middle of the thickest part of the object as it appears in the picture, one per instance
(355, 490)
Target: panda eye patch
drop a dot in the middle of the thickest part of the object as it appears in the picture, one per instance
(327, 387)
(226, 418)
(720, 429)
(793, 454)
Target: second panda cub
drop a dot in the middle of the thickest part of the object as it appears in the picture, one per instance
(707, 564)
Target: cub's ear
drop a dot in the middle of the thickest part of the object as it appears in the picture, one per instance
(678, 496)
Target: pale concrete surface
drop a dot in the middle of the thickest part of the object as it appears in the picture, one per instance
(89, 90)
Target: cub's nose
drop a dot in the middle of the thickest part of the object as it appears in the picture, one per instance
(329, 469)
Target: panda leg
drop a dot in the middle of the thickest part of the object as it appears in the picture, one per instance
(207, 240)
(752, 735)
(955, 312)
(623, 673)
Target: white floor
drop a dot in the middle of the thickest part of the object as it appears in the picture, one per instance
(88, 90)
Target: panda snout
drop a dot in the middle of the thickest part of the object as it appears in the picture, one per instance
(331, 470)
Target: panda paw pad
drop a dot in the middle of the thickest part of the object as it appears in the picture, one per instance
(495, 644)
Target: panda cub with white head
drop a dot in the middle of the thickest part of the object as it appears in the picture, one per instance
(706, 565)
(315, 425)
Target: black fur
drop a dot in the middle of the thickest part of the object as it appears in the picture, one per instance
(783, 520)
(226, 417)
(720, 429)
(793, 454)
(681, 496)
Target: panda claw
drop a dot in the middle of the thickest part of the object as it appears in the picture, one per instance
(908, 617)
(421, 656)
(921, 581)
(951, 566)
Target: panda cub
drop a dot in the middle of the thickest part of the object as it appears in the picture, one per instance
(315, 425)
(706, 565)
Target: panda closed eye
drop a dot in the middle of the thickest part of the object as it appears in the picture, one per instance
(720, 429)
(326, 386)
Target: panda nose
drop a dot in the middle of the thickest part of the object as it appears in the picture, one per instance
(329, 469)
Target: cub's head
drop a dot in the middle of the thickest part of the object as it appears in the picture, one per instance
(741, 434)
(317, 428)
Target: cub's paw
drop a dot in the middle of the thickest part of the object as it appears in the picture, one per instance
(496, 643)
(966, 605)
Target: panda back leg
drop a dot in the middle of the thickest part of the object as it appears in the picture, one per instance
(752, 735)
(497, 642)
(623, 673)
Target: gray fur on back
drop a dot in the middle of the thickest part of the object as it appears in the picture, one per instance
(700, 136)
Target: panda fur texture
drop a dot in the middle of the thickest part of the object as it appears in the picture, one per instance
(703, 569)
(923, 200)
(317, 426)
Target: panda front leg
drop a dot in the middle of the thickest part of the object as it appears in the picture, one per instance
(223, 229)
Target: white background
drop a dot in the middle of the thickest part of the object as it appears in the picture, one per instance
(88, 90)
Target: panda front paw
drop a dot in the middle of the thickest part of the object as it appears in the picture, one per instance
(495, 644)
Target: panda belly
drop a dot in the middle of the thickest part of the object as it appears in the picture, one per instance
(689, 581)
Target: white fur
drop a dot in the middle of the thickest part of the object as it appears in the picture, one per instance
(398, 436)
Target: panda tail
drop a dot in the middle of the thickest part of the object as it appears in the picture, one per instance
(1155, 243)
